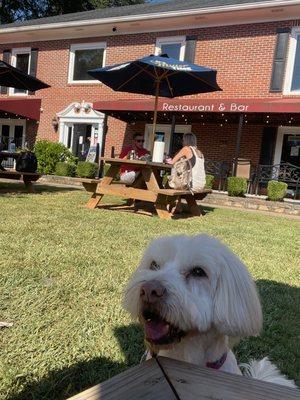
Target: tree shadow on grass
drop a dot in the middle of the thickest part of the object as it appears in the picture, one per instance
(279, 341)
(63, 383)
(18, 189)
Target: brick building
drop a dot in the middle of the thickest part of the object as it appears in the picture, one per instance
(253, 44)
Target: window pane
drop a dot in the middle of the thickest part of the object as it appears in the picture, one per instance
(18, 136)
(5, 136)
(22, 62)
(172, 49)
(85, 60)
(296, 73)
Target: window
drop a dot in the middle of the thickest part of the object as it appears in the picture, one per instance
(84, 57)
(292, 81)
(20, 58)
(174, 47)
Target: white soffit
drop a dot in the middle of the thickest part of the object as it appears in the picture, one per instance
(185, 19)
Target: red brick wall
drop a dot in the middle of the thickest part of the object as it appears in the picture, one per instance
(218, 143)
(242, 54)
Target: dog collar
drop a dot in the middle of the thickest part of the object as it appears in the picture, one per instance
(217, 364)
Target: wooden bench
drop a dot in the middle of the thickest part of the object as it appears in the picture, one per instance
(26, 177)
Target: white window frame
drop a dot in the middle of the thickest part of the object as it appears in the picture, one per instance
(14, 53)
(291, 62)
(171, 40)
(84, 46)
(283, 130)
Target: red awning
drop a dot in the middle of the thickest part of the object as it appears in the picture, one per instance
(263, 105)
(28, 108)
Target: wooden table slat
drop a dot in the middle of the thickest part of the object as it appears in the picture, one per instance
(137, 162)
(192, 382)
(143, 382)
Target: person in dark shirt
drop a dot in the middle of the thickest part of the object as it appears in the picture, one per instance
(129, 173)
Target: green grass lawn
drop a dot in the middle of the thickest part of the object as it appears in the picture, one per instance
(63, 268)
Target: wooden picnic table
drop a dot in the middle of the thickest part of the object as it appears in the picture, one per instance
(27, 177)
(147, 187)
(166, 379)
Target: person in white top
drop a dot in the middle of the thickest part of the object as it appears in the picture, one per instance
(192, 153)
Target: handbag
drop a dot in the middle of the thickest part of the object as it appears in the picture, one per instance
(26, 162)
(181, 175)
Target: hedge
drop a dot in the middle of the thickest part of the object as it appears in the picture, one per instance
(276, 190)
(65, 169)
(49, 154)
(86, 169)
(236, 186)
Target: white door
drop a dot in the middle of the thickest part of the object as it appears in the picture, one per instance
(12, 131)
(166, 129)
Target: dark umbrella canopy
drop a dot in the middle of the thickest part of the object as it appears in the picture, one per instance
(158, 75)
(14, 77)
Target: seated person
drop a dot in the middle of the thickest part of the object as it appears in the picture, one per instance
(192, 153)
(128, 173)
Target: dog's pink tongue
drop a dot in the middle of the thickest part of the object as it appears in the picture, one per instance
(155, 330)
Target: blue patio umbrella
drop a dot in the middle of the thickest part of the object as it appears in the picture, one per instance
(158, 76)
(16, 78)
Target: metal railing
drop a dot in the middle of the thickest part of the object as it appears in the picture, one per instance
(283, 172)
(220, 170)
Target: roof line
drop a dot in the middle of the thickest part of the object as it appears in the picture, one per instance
(160, 15)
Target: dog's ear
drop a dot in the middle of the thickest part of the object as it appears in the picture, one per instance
(237, 309)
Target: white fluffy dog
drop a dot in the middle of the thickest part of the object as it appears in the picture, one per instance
(192, 294)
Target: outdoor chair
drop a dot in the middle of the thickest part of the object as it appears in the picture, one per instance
(244, 169)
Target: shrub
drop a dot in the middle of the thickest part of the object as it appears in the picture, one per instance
(276, 190)
(65, 169)
(209, 181)
(86, 169)
(236, 186)
(49, 154)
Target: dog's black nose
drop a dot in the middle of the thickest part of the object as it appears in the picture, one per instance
(152, 291)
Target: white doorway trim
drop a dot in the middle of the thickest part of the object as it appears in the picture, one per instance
(80, 113)
(283, 130)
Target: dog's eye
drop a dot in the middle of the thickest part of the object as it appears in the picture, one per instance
(197, 272)
(154, 266)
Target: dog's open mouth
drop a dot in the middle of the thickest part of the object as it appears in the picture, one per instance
(157, 330)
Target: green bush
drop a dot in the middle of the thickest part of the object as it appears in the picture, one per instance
(65, 169)
(276, 190)
(209, 181)
(236, 186)
(49, 154)
(86, 169)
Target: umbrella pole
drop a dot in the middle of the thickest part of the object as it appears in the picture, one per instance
(155, 109)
